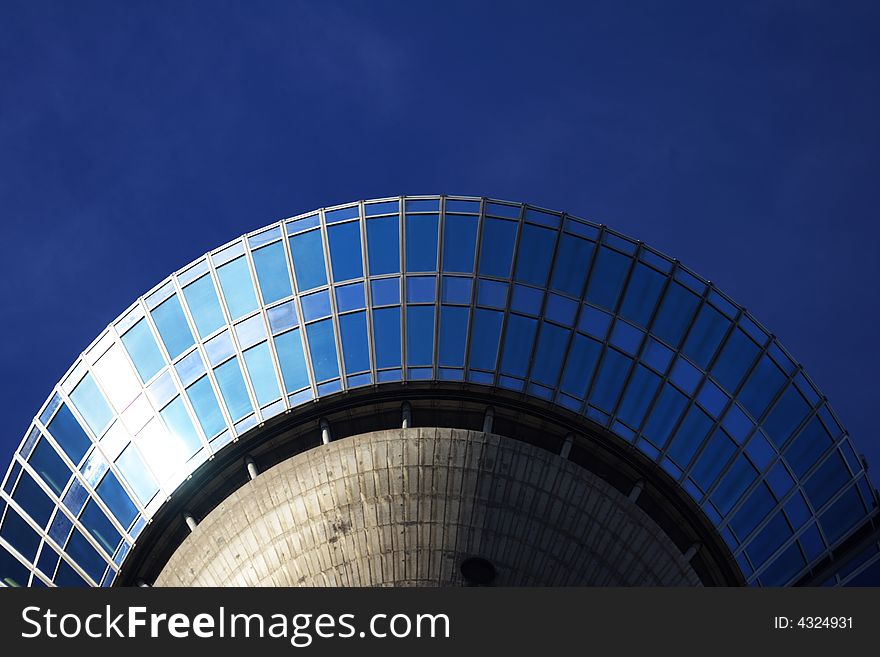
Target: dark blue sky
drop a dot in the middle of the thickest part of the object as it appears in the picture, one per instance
(741, 139)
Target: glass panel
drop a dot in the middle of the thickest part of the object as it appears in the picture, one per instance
(136, 474)
(33, 500)
(526, 299)
(282, 317)
(675, 314)
(535, 254)
(690, 436)
(419, 335)
(609, 274)
(713, 459)
(20, 535)
(610, 379)
(181, 428)
(334, 216)
(459, 242)
(172, 326)
(580, 365)
(492, 294)
(100, 527)
(316, 306)
(552, 344)
(322, 347)
(755, 508)
(350, 297)
(453, 335)
(292, 360)
(786, 416)
(561, 310)
(383, 245)
(307, 250)
(144, 352)
(90, 403)
(639, 394)
(665, 415)
(261, 370)
(190, 367)
(806, 449)
(484, 339)
(642, 293)
(705, 336)
(204, 306)
(842, 515)
(385, 291)
(233, 390)
(572, 265)
(386, 334)
(456, 290)
(237, 288)
(421, 242)
(85, 556)
(496, 249)
(345, 251)
(355, 346)
(117, 500)
(421, 289)
(829, 478)
(518, 341)
(68, 434)
(762, 386)
(204, 402)
(219, 348)
(117, 378)
(271, 265)
(735, 360)
(49, 466)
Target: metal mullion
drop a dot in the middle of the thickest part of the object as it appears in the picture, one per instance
(255, 405)
(368, 294)
(401, 245)
(276, 363)
(543, 310)
(441, 226)
(18, 556)
(507, 310)
(473, 300)
(331, 292)
(304, 341)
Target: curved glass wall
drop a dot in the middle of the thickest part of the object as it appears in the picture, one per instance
(432, 288)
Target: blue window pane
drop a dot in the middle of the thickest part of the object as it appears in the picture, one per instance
(90, 403)
(806, 449)
(518, 342)
(535, 254)
(237, 288)
(459, 243)
(561, 310)
(675, 314)
(33, 500)
(67, 577)
(484, 339)
(572, 264)
(627, 337)
(713, 459)
(261, 371)
(761, 387)
(421, 289)
(45, 460)
(85, 556)
(642, 293)
(639, 393)
(690, 436)
(68, 434)
(842, 515)
(594, 321)
(350, 297)
(322, 347)
(355, 346)
(12, 572)
(271, 265)
(307, 250)
(741, 475)
(784, 567)
(421, 242)
(769, 539)
(656, 355)
(117, 500)
(133, 468)
(233, 390)
(385, 291)
(610, 379)
(609, 274)
(453, 335)
(419, 335)
(334, 216)
(385, 207)
(383, 245)
(456, 290)
(144, 352)
(705, 336)
(181, 427)
(685, 375)
(548, 357)
(712, 399)
(201, 298)
(315, 306)
(786, 416)
(526, 299)
(172, 326)
(292, 360)
(100, 527)
(493, 294)
(496, 249)
(386, 333)
(20, 535)
(755, 508)
(345, 251)
(580, 365)
(204, 401)
(829, 478)
(736, 358)
(665, 415)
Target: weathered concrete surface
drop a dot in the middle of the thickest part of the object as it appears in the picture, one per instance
(404, 507)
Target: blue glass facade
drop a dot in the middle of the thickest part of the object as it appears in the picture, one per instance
(434, 288)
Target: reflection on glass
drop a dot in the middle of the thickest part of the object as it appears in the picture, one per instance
(355, 347)
(204, 402)
(345, 251)
(232, 389)
(238, 290)
(419, 335)
(386, 333)
(421, 242)
(322, 347)
(141, 346)
(459, 243)
(172, 326)
(308, 260)
(271, 265)
(496, 249)
(261, 371)
(289, 348)
(203, 305)
(383, 245)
